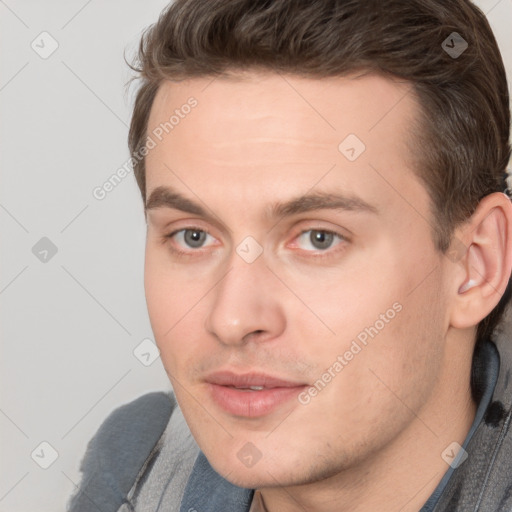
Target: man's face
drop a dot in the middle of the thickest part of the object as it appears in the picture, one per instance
(306, 267)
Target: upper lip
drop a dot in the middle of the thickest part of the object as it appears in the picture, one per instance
(241, 380)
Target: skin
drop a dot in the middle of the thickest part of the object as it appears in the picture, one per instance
(372, 438)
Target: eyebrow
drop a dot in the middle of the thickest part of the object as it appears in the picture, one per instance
(165, 197)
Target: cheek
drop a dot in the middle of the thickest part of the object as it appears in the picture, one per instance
(171, 298)
(372, 397)
(171, 291)
(385, 321)
(393, 357)
(370, 290)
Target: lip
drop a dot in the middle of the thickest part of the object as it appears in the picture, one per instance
(246, 403)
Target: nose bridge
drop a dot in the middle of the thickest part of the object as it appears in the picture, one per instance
(245, 301)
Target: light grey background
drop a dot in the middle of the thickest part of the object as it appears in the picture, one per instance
(70, 324)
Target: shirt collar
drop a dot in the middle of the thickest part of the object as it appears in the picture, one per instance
(487, 365)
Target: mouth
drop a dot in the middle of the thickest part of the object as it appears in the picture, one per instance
(251, 395)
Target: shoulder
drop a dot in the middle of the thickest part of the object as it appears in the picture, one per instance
(140, 419)
(118, 450)
(130, 430)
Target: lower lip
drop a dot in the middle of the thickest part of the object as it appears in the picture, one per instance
(252, 404)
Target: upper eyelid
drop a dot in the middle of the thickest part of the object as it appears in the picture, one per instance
(176, 231)
(342, 233)
(189, 228)
(341, 237)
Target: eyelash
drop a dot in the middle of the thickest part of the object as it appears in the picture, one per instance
(327, 253)
(178, 252)
(197, 252)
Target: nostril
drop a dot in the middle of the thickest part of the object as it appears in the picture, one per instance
(253, 333)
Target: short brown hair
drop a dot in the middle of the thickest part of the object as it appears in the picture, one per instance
(462, 144)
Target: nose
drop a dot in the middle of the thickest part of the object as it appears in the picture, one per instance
(246, 304)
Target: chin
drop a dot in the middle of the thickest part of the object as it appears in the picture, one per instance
(262, 474)
(250, 480)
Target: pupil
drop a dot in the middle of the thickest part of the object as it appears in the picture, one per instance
(321, 239)
(195, 238)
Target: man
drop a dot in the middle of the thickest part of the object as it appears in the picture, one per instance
(328, 251)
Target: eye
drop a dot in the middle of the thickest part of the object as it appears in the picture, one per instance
(191, 238)
(318, 239)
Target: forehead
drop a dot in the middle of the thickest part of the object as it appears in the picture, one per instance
(331, 106)
(280, 133)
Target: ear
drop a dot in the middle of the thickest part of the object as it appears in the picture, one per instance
(483, 271)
